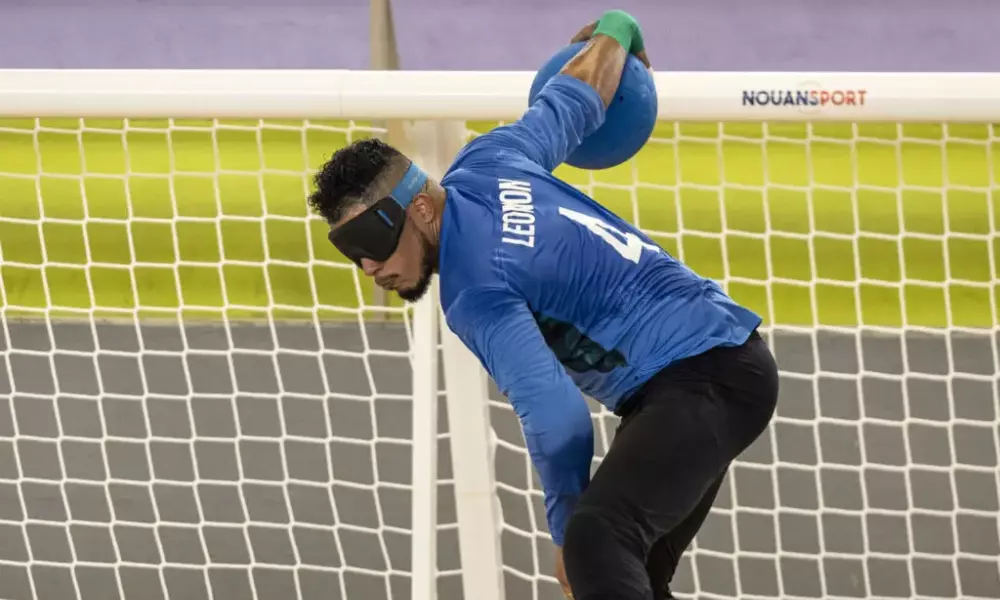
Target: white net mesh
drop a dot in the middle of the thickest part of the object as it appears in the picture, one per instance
(198, 400)
(201, 400)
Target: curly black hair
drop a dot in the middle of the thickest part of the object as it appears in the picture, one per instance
(356, 174)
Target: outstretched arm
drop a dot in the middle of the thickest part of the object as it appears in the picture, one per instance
(572, 104)
(500, 330)
(599, 64)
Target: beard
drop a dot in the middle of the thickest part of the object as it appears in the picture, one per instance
(428, 264)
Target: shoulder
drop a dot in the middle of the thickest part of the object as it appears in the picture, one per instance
(468, 254)
(485, 152)
(477, 152)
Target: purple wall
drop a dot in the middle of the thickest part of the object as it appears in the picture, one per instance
(816, 35)
(738, 35)
(184, 34)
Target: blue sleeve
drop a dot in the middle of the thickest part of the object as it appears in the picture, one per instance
(565, 112)
(500, 330)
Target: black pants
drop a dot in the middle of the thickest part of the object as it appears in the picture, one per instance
(660, 477)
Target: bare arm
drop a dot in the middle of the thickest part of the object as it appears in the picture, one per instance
(600, 63)
(573, 103)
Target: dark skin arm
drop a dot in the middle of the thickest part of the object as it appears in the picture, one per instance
(600, 63)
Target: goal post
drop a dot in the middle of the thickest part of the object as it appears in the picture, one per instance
(199, 399)
(497, 95)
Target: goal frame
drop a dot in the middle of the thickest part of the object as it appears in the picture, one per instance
(481, 95)
(425, 112)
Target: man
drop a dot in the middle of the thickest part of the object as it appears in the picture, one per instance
(558, 297)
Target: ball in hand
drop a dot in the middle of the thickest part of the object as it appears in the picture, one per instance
(629, 120)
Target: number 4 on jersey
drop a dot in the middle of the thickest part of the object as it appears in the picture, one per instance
(630, 249)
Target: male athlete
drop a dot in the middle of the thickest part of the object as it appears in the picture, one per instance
(559, 297)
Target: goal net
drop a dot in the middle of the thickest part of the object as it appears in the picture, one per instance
(200, 399)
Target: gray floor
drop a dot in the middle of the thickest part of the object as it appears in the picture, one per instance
(193, 462)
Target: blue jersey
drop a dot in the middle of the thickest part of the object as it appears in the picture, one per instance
(558, 296)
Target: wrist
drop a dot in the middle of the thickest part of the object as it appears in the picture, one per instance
(623, 28)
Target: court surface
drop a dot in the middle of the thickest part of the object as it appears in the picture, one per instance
(161, 476)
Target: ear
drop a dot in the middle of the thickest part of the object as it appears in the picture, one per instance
(423, 208)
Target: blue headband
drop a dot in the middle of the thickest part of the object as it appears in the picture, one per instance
(411, 183)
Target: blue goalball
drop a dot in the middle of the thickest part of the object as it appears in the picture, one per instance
(630, 117)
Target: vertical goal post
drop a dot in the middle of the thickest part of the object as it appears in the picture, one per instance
(430, 113)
